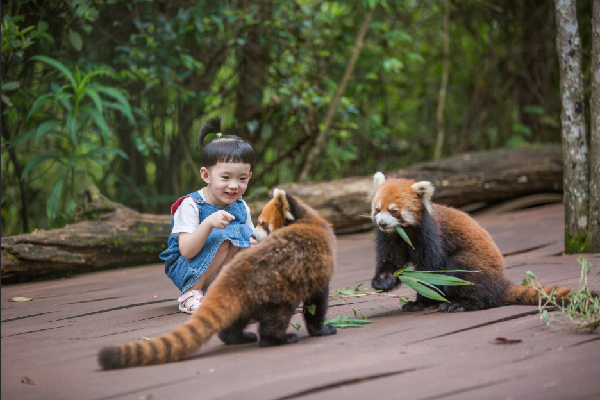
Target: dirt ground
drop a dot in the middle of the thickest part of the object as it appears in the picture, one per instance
(49, 345)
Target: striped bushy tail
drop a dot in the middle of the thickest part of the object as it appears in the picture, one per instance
(525, 295)
(216, 313)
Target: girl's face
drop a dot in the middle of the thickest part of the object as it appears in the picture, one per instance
(226, 182)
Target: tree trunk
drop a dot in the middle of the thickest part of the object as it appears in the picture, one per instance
(443, 87)
(576, 168)
(594, 222)
(118, 236)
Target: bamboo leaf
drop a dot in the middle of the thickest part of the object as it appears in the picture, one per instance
(434, 278)
(311, 308)
(422, 289)
(404, 235)
(343, 321)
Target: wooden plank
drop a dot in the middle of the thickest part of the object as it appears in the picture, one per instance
(54, 340)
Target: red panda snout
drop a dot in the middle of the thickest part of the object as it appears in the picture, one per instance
(261, 230)
(385, 221)
(259, 233)
(388, 220)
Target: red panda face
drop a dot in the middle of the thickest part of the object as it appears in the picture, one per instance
(399, 202)
(273, 216)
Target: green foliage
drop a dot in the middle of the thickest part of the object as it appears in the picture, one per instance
(74, 116)
(14, 41)
(342, 321)
(311, 308)
(271, 69)
(583, 310)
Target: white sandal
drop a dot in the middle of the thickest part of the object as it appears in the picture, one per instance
(190, 301)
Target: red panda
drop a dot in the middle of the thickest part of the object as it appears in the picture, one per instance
(293, 263)
(443, 238)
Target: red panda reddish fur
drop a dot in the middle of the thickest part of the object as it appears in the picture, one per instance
(444, 238)
(292, 264)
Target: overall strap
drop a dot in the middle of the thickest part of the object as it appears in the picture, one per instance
(195, 196)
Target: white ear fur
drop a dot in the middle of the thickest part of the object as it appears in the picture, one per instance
(378, 179)
(279, 195)
(425, 189)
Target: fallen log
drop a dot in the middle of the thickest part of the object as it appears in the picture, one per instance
(110, 234)
(107, 235)
(495, 175)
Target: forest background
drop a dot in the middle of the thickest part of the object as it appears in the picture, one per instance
(113, 92)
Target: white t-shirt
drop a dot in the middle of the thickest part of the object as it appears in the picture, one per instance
(187, 216)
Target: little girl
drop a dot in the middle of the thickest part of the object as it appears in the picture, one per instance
(211, 225)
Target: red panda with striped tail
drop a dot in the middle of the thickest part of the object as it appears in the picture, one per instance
(443, 238)
(292, 264)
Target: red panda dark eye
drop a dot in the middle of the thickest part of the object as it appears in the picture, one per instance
(377, 210)
(393, 212)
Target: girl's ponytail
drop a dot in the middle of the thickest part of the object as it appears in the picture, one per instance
(213, 125)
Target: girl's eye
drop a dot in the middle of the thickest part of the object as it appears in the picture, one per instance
(225, 177)
(393, 212)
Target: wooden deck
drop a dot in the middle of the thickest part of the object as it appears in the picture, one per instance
(53, 340)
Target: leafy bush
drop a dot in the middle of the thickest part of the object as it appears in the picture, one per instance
(75, 117)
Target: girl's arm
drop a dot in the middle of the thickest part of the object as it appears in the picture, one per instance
(190, 244)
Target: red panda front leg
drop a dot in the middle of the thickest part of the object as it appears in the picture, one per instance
(384, 278)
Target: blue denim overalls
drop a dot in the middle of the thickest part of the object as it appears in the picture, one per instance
(185, 272)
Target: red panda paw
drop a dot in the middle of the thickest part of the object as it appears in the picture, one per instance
(451, 307)
(414, 306)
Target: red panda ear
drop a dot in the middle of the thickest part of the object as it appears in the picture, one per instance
(281, 201)
(425, 189)
(378, 179)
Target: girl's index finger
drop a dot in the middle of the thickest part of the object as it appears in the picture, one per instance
(229, 216)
